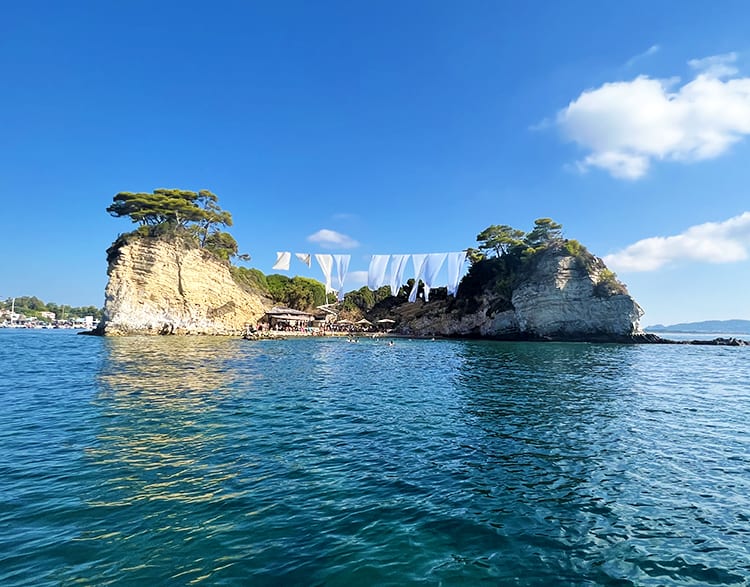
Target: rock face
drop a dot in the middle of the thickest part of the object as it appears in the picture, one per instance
(168, 287)
(562, 297)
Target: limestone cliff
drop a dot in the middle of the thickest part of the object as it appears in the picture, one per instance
(159, 286)
(555, 296)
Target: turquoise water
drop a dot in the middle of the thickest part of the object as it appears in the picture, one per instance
(215, 461)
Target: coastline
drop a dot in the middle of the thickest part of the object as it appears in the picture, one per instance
(648, 338)
(640, 338)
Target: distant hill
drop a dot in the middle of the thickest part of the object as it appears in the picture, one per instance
(709, 326)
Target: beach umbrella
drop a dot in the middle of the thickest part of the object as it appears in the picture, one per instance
(386, 321)
(364, 321)
(344, 322)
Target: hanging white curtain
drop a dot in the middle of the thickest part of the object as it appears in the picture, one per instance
(326, 263)
(376, 277)
(419, 262)
(455, 264)
(342, 266)
(282, 261)
(305, 258)
(398, 268)
(432, 267)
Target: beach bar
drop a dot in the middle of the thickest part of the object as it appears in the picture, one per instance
(282, 318)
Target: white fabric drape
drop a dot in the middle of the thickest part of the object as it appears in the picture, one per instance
(282, 261)
(342, 266)
(419, 262)
(326, 263)
(432, 267)
(455, 264)
(376, 277)
(398, 268)
(305, 258)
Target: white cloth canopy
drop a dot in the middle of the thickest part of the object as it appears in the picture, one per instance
(342, 266)
(282, 261)
(376, 277)
(455, 263)
(305, 258)
(432, 266)
(418, 260)
(326, 263)
(398, 268)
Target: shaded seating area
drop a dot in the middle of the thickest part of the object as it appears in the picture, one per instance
(287, 319)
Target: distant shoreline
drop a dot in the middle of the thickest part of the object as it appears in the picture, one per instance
(731, 327)
(699, 332)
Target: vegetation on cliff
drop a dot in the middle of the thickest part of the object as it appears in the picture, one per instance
(506, 256)
(194, 217)
(197, 220)
(503, 258)
(300, 293)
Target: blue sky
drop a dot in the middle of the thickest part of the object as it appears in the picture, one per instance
(407, 127)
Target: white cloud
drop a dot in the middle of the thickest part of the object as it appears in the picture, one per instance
(716, 65)
(627, 125)
(712, 242)
(330, 239)
(652, 50)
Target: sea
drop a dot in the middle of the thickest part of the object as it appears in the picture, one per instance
(220, 461)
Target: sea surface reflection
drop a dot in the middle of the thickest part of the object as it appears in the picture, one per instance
(219, 461)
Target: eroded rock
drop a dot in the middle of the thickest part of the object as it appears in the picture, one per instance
(169, 287)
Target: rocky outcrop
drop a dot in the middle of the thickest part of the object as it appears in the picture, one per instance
(557, 296)
(721, 341)
(566, 298)
(159, 286)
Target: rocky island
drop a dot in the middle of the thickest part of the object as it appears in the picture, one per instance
(173, 275)
(552, 295)
(169, 286)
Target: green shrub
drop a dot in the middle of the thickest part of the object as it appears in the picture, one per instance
(361, 299)
(608, 285)
(574, 248)
(250, 278)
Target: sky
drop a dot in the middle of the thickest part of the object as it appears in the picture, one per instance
(385, 127)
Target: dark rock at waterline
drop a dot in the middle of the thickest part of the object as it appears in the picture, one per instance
(650, 338)
(720, 342)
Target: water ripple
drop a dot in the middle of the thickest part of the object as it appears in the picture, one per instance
(218, 462)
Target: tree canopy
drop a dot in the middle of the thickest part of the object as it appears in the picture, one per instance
(221, 244)
(213, 215)
(300, 293)
(170, 206)
(194, 214)
(499, 238)
(544, 232)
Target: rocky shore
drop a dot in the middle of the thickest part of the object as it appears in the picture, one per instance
(732, 341)
(651, 338)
